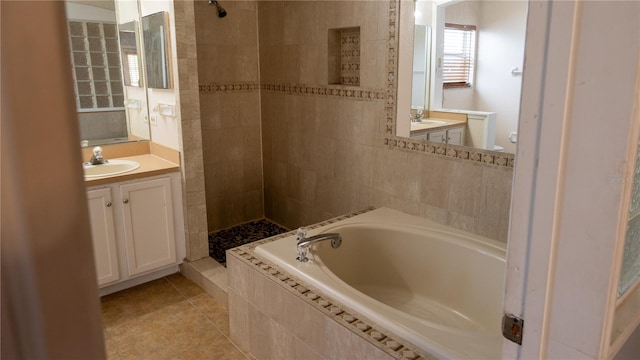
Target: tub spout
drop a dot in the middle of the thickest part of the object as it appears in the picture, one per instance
(305, 242)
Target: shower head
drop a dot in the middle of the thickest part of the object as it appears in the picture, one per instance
(221, 12)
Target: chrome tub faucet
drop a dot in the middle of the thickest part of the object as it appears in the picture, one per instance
(305, 242)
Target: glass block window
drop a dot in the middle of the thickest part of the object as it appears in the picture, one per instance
(631, 258)
(96, 65)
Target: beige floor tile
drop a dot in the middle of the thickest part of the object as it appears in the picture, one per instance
(111, 348)
(184, 286)
(213, 310)
(143, 299)
(170, 318)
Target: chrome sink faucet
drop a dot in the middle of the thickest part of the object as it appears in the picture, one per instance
(418, 117)
(97, 158)
(305, 242)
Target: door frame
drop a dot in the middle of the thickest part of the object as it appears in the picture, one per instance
(561, 262)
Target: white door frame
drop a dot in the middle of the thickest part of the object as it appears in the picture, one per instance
(578, 89)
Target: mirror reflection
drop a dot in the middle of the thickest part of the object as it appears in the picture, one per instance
(129, 50)
(155, 31)
(108, 111)
(476, 56)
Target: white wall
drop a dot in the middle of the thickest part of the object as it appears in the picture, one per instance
(167, 131)
(500, 47)
(464, 13)
(501, 41)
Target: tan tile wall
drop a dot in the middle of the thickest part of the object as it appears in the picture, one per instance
(228, 54)
(324, 155)
(193, 188)
(272, 323)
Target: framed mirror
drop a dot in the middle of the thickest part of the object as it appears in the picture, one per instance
(476, 56)
(109, 111)
(155, 29)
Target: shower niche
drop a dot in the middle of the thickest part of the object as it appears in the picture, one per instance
(344, 56)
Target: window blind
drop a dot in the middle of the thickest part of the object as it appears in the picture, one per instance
(458, 55)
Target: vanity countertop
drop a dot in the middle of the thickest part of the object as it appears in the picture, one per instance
(417, 128)
(150, 165)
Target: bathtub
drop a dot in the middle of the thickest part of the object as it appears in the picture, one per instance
(436, 287)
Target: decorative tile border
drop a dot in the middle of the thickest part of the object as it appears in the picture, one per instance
(465, 153)
(326, 90)
(389, 94)
(297, 89)
(382, 339)
(228, 88)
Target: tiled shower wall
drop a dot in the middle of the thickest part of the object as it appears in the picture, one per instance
(323, 151)
(230, 112)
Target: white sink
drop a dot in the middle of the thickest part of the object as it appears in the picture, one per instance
(111, 167)
(433, 122)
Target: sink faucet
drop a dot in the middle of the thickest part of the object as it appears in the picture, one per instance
(97, 158)
(305, 242)
(418, 117)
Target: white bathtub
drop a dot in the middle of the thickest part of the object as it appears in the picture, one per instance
(436, 287)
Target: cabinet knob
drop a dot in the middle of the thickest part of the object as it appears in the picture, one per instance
(108, 204)
(126, 201)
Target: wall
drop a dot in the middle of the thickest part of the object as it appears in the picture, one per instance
(464, 13)
(167, 131)
(193, 190)
(500, 47)
(230, 110)
(324, 154)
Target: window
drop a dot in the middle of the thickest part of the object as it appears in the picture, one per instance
(96, 63)
(458, 56)
(134, 72)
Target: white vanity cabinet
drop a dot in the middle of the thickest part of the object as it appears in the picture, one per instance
(452, 136)
(439, 136)
(455, 136)
(133, 224)
(103, 235)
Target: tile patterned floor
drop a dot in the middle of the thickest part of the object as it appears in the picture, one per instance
(169, 318)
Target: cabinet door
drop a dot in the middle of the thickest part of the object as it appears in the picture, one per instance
(422, 136)
(103, 235)
(148, 225)
(455, 136)
(439, 136)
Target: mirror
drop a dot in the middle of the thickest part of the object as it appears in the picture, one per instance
(155, 29)
(129, 50)
(111, 107)
(476, 59)
(421, 80)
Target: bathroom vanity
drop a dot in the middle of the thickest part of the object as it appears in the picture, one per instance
(441, 131)
(136, 221)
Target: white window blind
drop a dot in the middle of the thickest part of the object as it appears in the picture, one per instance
(134, 71)
(458, 56)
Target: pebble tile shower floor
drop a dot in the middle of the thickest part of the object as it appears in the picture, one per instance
(169, 318)
(226, 239)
